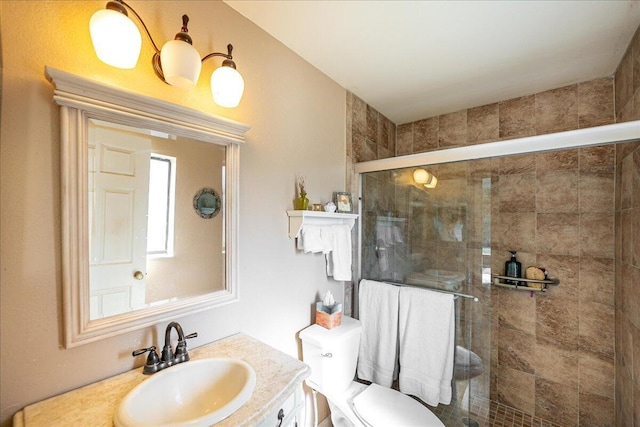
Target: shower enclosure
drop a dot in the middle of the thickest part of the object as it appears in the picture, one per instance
(438, 236)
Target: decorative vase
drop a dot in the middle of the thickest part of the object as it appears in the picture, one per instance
(302, 203)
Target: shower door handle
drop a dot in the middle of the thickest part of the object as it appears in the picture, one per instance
(381, 249)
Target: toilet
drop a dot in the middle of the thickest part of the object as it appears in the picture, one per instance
(332, 355)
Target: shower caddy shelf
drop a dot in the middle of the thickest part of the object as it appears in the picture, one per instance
(499, 281)
(299, 218)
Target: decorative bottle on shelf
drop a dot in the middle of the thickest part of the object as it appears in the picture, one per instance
(513, 268)
(302, 203)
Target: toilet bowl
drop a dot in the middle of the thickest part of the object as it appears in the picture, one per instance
(332, 355)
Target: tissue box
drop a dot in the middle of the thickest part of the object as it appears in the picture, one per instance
(328, 317)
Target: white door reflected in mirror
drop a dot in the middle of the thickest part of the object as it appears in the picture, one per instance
(118, 198)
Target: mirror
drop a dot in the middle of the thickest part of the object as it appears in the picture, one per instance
(134, 253)
(207, 203)
(145, 245)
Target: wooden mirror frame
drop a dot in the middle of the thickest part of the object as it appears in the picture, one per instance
(81, 100)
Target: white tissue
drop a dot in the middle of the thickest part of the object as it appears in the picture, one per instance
(328, 300)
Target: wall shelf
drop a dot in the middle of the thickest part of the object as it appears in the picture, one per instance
(523, 284)
(299, 218)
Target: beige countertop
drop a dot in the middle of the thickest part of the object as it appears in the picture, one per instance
(277, 376)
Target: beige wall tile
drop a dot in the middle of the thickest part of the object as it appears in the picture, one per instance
(514, 231)
(596, 375)
(597, 276)
(624, 401)
(556, 364)
(597, 234)
(556, 191)
(517, 117)
(595, 103)
(425, 135)
(557, 402)
(383, 132)
(631, 293)
(515, 192)
(359, 117)
(595, 410)
(516, 350)
(359, 148)
(556, 160)
(372, 124)
(483, 124)
(556, 110)
(597, 191)
(558, 233)
(599, 157)
(624, 81)
(596, 329)
(557, 323)
(516, 389)
(517, 164)
(404, 144)
(452, 129)
(517, 310)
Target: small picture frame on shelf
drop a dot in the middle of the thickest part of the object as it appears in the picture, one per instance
(343, 202)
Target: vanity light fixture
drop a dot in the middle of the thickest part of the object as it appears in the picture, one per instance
(421, 176)
(117, 42)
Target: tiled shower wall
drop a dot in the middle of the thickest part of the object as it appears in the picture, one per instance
(627, 248)
(627, 253)
(556, 350)
(553, 353)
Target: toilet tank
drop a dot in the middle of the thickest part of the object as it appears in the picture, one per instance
(332, 355)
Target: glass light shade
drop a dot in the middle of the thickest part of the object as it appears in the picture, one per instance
(227, 86)
(116, 39)
(180, 64)
(420, 176)
(432, 182)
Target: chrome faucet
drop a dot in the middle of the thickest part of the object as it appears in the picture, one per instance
(169, 358)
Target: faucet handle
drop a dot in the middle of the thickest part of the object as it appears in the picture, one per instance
(181, 354)
(153, 362)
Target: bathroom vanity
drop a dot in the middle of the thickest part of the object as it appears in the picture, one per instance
(278, 387)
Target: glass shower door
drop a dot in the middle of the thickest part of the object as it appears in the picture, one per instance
(438, 237)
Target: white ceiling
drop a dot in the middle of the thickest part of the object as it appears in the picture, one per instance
(416, 59)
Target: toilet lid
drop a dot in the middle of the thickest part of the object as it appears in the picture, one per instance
(382, 406)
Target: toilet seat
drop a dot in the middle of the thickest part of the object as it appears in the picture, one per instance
(382, 406)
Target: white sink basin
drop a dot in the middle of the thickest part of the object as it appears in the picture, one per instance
(195, 393)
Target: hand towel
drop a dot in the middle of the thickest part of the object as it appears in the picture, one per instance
(314, 238)
(339, 259)
(377, 359)
(426, 324)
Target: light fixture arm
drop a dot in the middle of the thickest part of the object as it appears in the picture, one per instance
(119, 5)
(115, 5)
(228, 62)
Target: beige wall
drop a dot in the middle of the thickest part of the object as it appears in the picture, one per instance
(298, 126)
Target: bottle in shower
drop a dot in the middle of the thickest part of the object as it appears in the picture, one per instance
(513, 268)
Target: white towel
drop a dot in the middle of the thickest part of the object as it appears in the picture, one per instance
(426, 324)
(314, 238)
(339, 260)
(377, 359)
